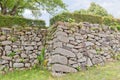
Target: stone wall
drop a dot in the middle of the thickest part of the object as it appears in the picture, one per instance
(19, 47)
(69, 47)
(77, 46)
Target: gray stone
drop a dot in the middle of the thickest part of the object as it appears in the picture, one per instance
(71, 38)
(57, 44)
(27, 65)
(76, 65)
(89, 62)
(3, 62)
(59, 33)
(83, 59)
(24, 55)
(18, 65)
(63, 39)
(73, 43)
(37, 39)
(2, 38)
(6, 58)
(72, 62)
(62, 68)
(70, 45)
(6, 42)
(89, 44)
(79, 55)
(29, 48)
(59, 59)
(8, 48)
(64, 52)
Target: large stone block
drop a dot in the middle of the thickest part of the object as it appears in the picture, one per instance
(18, 65)
(62, 68)
(63, 39)
(29, 48)
(8, 48)
(64, 52)
(59, 59)
(6, 42)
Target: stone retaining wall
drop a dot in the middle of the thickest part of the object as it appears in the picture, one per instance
(69, 47)
(19, 48)
(77, 46)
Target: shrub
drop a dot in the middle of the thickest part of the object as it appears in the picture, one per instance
(8, 21)
(77, 17)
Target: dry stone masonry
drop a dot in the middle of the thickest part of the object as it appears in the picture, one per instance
(77, 46)
(19, 48)
(69, 47)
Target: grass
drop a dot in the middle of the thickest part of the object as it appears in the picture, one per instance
(110, 71)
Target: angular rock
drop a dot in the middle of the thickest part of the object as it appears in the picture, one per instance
(6, 42)
(89, 44)
(59, 33)
(29, 48)
(2, 38)
(63, 39)
(59, 59)
(6, 58)
(24, 55)
(79, 55)
(18, 65)
(27, 65)
(57, 44)
(64, 52)
(89, 62)
(8, 48)
(62, 68)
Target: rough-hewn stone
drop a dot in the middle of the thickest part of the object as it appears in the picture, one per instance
(62, 68)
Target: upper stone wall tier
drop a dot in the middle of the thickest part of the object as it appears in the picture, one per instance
(76, 46)
(20, 48)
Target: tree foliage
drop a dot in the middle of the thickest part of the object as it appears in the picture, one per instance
(17, 7)
(95, 9)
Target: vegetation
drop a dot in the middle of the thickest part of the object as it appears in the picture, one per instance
(41, 58)
(107, 72)
(9, 21)
(95, 9)
(77, 17)
(17, 7)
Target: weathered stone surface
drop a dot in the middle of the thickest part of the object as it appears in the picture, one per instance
(29, 48)
(6, 42)
(18, 65)
(24, 55)
(63, 39)
(59, 59)
(79, 55)
(62, 68)
(60, 33)
(6, 58)
(57, 44)
(3, 62)
(89, 44)
(83, 59)
(72, 62)
(8, 48)
(64, 52)
(27, 65)
(89, 62)
(2, 38)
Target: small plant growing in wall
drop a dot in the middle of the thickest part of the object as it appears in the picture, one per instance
(41, 58)
(12, 54)
(13, 39)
